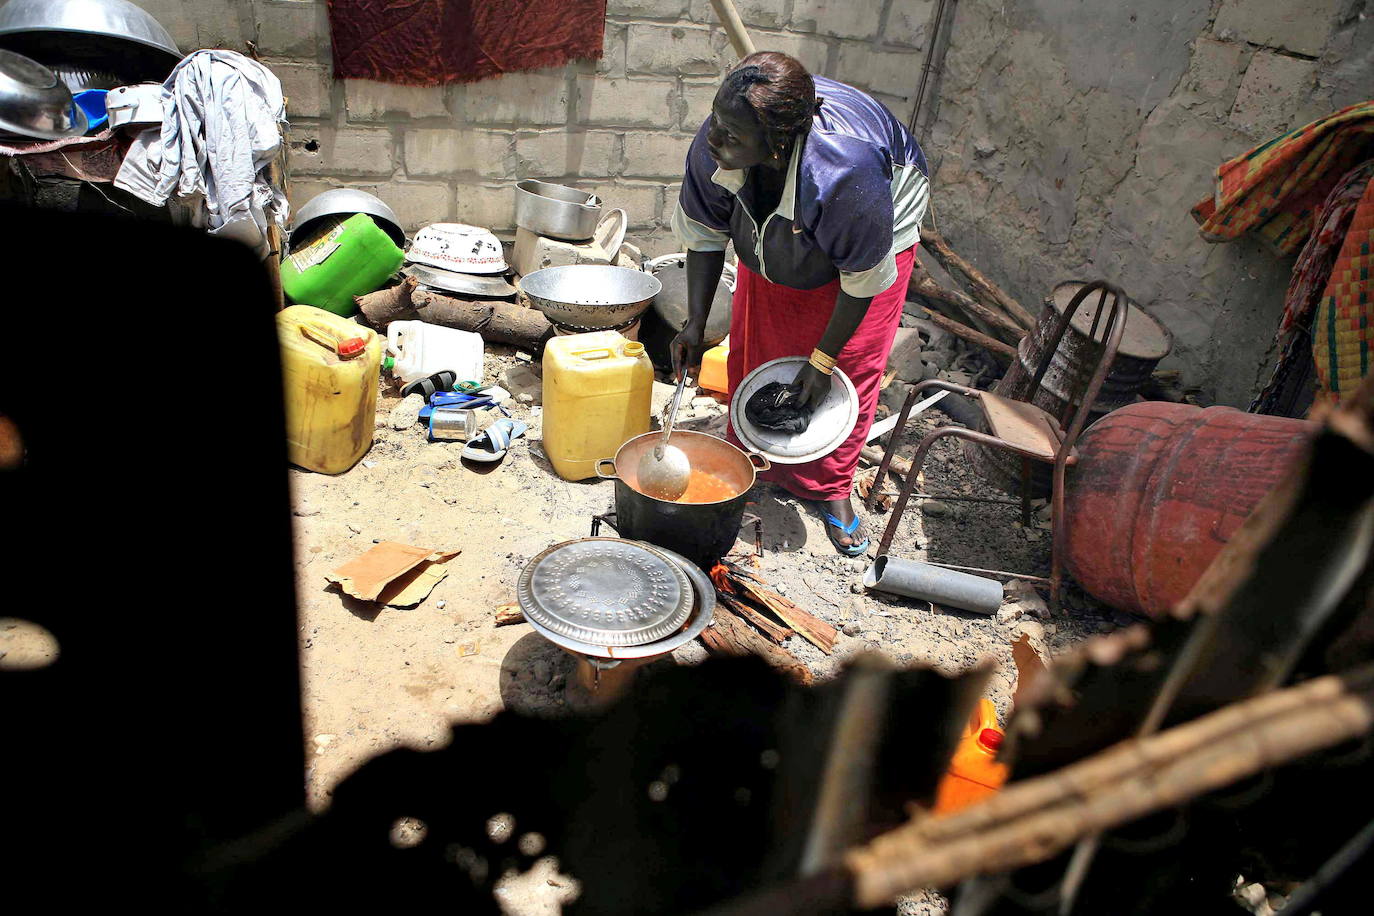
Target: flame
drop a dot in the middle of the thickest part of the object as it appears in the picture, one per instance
(720, 575)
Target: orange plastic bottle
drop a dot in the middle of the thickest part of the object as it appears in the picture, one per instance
(973, 773)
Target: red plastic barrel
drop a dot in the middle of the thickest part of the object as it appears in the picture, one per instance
(1160, 487)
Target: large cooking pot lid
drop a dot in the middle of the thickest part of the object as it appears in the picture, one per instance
(606, 592)
(831, 422)
(1143, 337)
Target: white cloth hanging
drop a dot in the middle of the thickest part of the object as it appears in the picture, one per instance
(219, 132)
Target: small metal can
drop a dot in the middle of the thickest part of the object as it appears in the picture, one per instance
(450, 424)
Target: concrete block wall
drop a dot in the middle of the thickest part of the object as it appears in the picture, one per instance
(1070, 145)
(619, 126)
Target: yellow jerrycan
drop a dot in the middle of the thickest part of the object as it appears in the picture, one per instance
(330, 367)
(597, 390)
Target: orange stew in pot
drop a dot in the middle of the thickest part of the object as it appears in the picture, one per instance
(707, 488)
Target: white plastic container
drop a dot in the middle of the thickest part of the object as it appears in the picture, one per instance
(420, 350)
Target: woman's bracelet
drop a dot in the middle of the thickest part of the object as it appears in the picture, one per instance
(823, 362)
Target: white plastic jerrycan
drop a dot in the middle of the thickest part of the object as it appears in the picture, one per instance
(418, 350)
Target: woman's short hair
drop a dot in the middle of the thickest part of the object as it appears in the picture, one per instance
(779, 90)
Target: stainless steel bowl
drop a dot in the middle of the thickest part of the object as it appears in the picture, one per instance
(34, 102)
(345, 201)
(556, 211)
(591, 296)
(102, 35)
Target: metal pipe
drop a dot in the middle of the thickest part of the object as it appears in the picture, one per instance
(957, 498)
(937, 20)
(936, 584)
(991, 572)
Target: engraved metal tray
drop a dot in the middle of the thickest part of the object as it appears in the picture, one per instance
(605, 592)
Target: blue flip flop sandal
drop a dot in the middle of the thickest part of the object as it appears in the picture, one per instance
(491, 443)
(853, 550)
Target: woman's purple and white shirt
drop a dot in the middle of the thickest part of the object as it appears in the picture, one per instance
(856, 191)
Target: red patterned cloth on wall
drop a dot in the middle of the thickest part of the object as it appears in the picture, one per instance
(432, 42)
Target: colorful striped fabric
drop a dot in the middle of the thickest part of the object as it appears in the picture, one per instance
(1343, 327)
(1276, 189)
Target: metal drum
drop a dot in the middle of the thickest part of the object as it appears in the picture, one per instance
(1160, 488)
(1144, 342)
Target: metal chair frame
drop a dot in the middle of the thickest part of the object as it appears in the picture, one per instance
(1061, 455)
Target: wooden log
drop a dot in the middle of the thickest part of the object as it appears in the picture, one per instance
(1031, 821)
(391, 303)
(874, 456)
(951, 261)
(497, 322)
(814, 630)
(999, 350)
(276, 244)
(925, 284)
(770, 629)
(730, 635)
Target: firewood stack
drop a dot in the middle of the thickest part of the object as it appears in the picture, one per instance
(752, 619)
(989, 317)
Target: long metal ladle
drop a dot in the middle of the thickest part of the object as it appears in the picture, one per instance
(665, 472)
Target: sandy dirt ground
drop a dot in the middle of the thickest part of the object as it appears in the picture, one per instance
(378, 677)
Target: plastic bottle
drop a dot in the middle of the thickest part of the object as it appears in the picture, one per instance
(973, 773)
(417, 350)
(348, 258)
(597, 390)
(330, 367)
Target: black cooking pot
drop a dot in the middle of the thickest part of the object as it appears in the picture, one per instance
(701, 532)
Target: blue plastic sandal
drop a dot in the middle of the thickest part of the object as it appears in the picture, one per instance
(853, 550)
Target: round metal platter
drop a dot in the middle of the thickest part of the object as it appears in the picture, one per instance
(703, 611)
(605, 592)
(831, 423)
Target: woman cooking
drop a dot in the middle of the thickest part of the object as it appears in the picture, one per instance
(822, 192)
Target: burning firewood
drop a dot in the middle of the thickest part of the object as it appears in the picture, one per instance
(735, 580)
(773, 631)
(730, 635)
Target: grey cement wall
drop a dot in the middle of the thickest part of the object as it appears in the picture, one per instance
(1072, 138)
(619, 126)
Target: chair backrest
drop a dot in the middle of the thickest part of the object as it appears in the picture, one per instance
(1112, 301)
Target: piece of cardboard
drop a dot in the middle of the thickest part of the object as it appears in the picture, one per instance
(398, 575)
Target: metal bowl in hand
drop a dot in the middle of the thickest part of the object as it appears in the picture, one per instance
(831, 422)
(590, 296)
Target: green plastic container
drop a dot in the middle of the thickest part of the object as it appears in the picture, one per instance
(349, 257)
